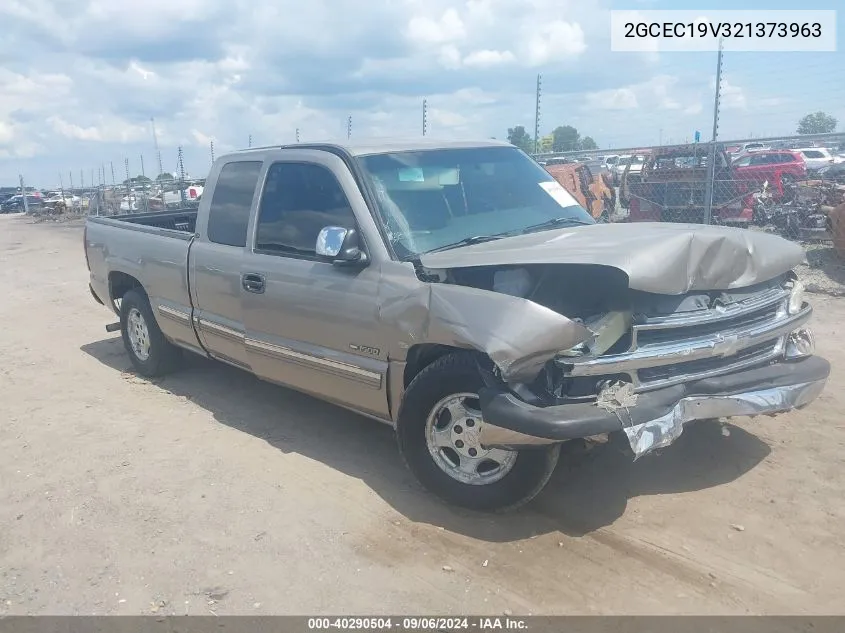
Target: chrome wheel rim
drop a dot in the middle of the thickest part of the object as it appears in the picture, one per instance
(138, 333)
(453, 434)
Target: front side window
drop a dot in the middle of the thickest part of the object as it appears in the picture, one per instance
(299, 200)
(436, 199)
(228, 215)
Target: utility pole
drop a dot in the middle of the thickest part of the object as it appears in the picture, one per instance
(711, 158)
(143, 173)
(349, 127)
(62, 185)
(537, 114)
(70, 175)
(155, 145)
(23, 193)
(82, 180)
(660, 137)
(112, 173)
(128, 190)
(182, 177)
(425, 117)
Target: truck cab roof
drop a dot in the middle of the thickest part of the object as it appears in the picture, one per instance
(364, 147)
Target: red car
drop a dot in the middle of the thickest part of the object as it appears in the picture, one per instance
(771, 165)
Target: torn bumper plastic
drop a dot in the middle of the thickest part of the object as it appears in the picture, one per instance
(658, 417)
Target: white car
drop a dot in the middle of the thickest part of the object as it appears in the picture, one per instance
(608, 162)
(636, 162)
(818, 157)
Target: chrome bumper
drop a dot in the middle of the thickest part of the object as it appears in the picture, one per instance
(661, 432)
(658, 417)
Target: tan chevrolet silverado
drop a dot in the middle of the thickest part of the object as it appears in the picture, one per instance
(458, 293)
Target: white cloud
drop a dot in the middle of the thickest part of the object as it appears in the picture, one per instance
(105, 130)
(555, 40)
(487, 58)
(447, 28)
(614, 99)
(733, 96)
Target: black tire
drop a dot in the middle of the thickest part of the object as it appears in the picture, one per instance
(163, 356)
(452, 374)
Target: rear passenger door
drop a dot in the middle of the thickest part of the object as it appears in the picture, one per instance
(216, 259)
(312, 325)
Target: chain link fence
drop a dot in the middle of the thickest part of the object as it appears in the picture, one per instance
(787, 185)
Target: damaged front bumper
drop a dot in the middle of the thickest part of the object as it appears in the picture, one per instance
(658, 417)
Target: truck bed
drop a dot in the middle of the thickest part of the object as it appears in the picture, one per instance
(184, 220)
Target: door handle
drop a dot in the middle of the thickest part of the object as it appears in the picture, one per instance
(253, 282)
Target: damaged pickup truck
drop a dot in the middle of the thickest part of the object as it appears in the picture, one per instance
(458, 293)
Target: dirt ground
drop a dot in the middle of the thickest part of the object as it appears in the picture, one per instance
(212, 492)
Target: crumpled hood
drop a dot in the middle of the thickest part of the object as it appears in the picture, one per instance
(662, 258)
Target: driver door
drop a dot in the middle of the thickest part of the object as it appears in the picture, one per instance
(310, 324)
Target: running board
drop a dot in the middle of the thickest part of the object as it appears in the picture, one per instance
(113, 327)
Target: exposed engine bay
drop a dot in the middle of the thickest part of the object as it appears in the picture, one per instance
(599, 298)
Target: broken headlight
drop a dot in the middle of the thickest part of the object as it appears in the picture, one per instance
(800, 344)
(606, 330)
(796, 297)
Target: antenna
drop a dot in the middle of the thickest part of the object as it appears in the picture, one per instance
(155, 145)
(537, 115)
(250, 141)
(349, 127)
(297, 135)
(425, 116)
(212, 151)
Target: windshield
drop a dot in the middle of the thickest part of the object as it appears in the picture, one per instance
(434, 199)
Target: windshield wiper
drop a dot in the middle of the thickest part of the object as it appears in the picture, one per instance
(475, 239)
(555, 222)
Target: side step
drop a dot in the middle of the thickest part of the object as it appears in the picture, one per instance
(113, 327)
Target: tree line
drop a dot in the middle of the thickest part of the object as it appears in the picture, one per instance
(563, 138)
(566, 138)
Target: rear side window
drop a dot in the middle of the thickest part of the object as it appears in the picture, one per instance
(230, 204)
(813, 154)
(299, 200)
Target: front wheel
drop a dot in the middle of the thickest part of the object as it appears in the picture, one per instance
(438, 431)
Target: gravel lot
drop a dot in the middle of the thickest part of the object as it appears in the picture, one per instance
(210, 491)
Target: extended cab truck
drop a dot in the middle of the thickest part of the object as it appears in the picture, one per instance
(457, 292)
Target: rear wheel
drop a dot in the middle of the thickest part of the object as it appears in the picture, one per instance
(438, 432)
(150, 352)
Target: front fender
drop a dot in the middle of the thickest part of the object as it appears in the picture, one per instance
(518, 335)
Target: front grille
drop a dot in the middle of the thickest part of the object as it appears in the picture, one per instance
(665, 373)
(669, 349)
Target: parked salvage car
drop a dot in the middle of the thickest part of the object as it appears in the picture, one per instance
(672, 187)
(632, 163)
(817, 157)
(594, 193)
(772, 166)
(457, 292)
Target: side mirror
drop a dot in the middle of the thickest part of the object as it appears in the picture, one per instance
(340, 245)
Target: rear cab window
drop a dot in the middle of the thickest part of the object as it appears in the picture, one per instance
(228, 216)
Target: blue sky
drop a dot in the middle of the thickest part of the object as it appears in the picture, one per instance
(80, 79)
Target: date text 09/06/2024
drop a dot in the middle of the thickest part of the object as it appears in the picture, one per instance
(417, 623)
